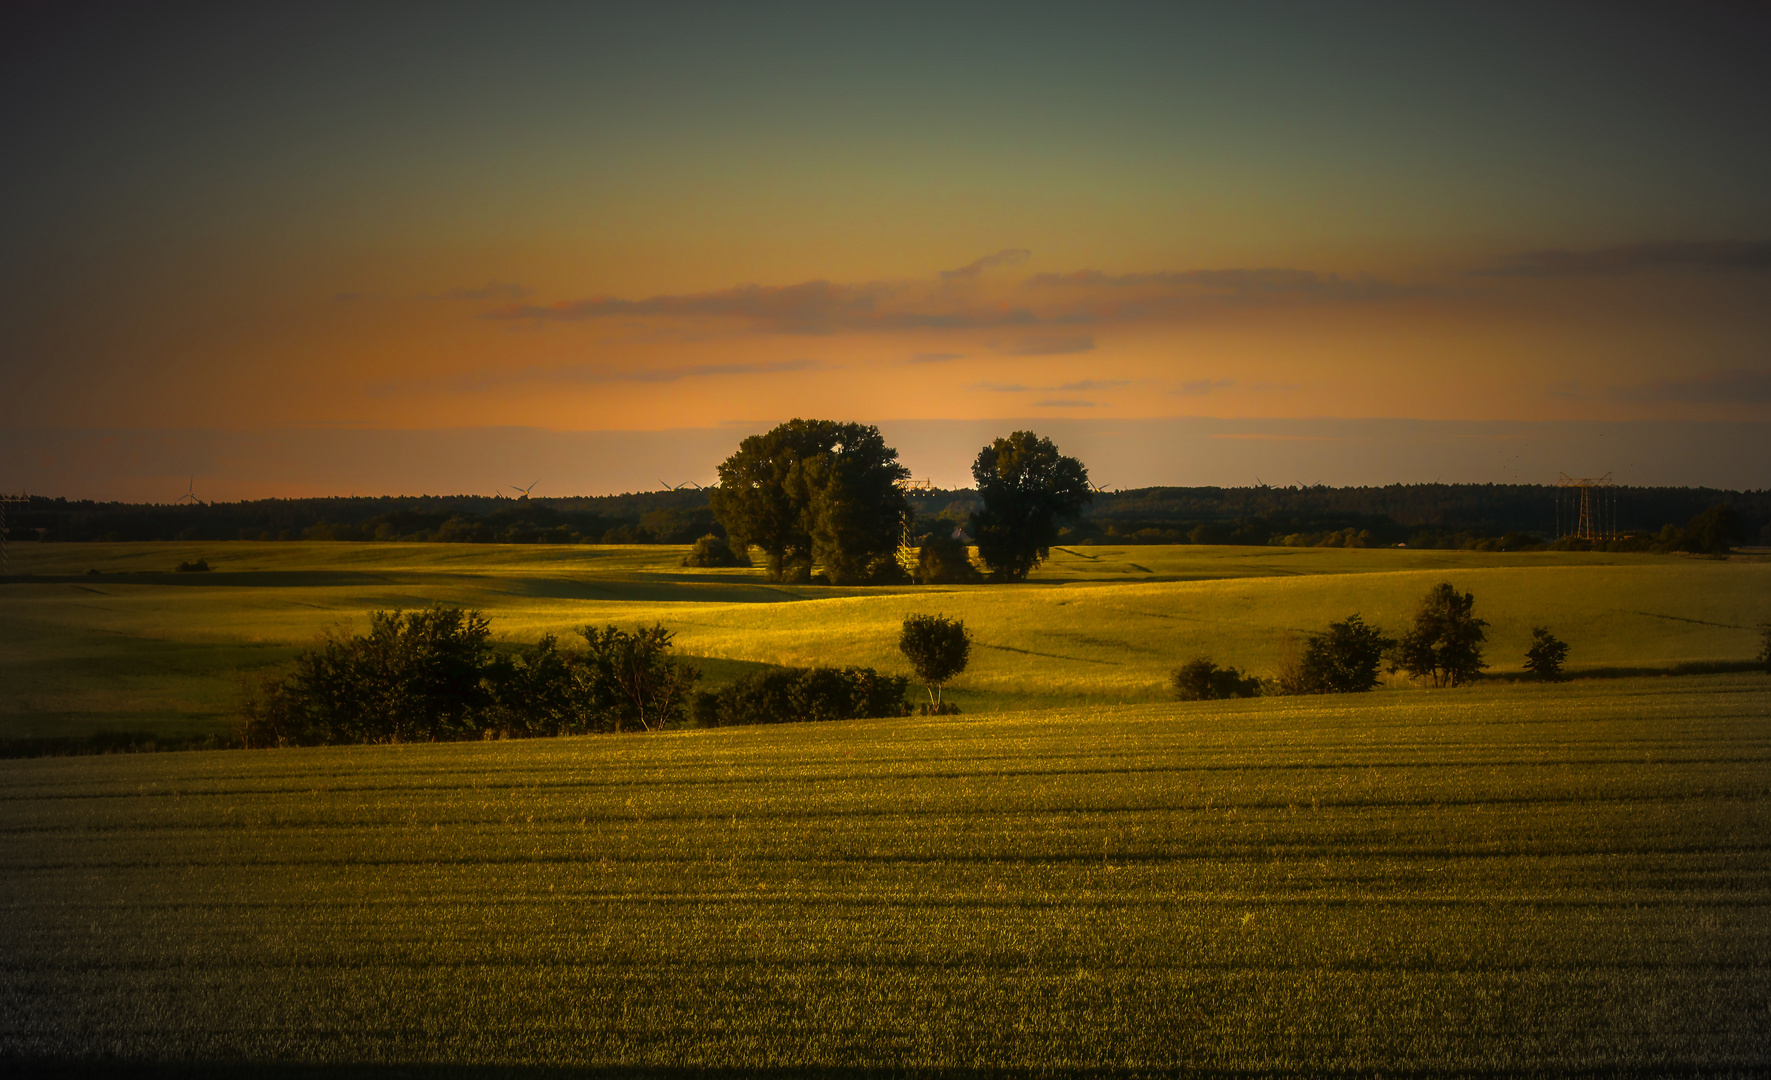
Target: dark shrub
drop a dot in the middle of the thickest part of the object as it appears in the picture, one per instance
(1714, 530)
(538, 692)
(1203, 680)
(944, 559)
(198, 567)
(628, 680)
(713, 550)
(789, 695)
(1544, 658)
(1343, 659)
(433, 675)
(416, 676)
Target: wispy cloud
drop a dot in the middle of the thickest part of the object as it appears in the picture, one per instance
(585, 375)
(1051, 302)
(1005, 257)
(1049, 345)
(812, 307)
(1629, 258)
(1268, 282)
(1737, 385)
(935, 357)
(1201, 387)
(1066, 403)
(491, 290)
(1079, 385)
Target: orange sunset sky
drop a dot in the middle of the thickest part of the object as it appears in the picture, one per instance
(238, 238)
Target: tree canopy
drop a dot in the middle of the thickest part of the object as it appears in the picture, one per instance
(1027, 488)
(937, 648)
(1446, 640)
(1546, 655)
(1343, 659)
(815, 491)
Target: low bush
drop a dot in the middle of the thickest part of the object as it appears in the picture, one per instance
(1546, 655)
(198, 567)
(944, 560)
(1203, 680)
(713, 550)
(791, 694)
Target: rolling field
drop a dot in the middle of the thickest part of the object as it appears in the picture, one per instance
(1508, 880)
(138, 648)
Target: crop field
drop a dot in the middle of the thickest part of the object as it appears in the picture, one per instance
(135, 647)
(1514, 879)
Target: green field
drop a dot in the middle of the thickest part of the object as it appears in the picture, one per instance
(138, 648)
(1074, 875)
(1510, 880)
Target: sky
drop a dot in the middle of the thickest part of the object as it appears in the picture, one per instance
(298, 249)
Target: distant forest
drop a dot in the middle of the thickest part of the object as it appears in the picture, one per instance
(1421, 515)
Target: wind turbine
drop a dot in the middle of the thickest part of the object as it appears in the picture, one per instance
(189, 495)
(525, 490)
(668, 486)
(1100, 489)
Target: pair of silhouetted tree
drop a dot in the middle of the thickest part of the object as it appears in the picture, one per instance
(820, 492)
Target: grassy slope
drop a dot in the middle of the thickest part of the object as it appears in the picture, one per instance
(1515, 878)
(162, 651)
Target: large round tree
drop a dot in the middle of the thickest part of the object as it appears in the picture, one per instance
(1027, 488)
(815, 491)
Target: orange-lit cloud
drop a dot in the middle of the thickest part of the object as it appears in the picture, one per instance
(1046, 299)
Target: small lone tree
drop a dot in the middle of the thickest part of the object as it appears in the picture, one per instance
(1446, 642)
(1203, 680)
(937, 648)
(1544, 658)
(1343, 659)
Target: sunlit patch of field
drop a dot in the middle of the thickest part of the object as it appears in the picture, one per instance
(139, 647)
(1512, 879)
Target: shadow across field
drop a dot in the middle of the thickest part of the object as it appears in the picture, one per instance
(644, 588)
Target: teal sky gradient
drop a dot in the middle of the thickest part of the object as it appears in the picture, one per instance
(249, 217)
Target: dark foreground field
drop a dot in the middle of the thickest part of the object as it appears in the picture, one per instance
(1510, 880)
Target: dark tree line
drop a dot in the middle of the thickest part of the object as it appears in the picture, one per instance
(668, 517)
(1498, 516)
